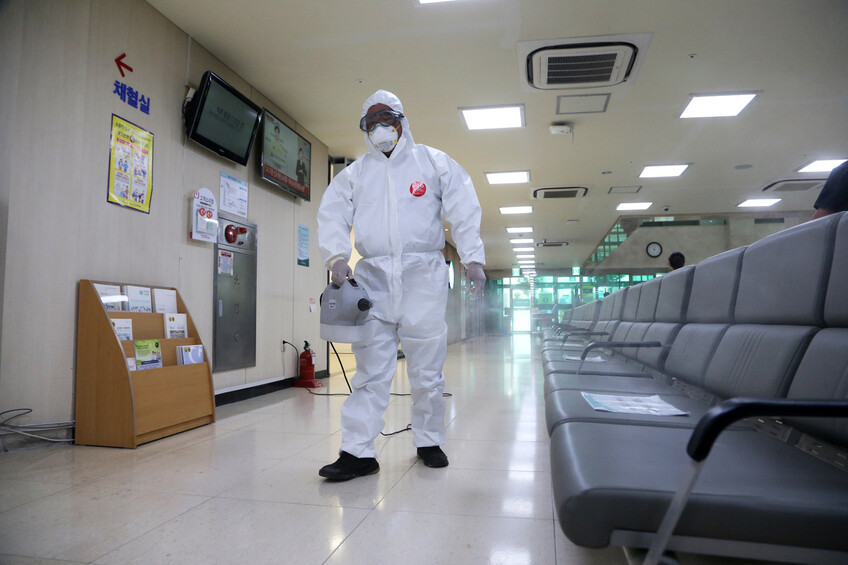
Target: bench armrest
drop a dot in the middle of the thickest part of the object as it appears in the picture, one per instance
(617, 345)
(722, 415)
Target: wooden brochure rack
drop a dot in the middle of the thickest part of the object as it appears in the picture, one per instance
(122, 408)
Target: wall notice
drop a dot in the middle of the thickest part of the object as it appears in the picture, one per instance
(130, 166)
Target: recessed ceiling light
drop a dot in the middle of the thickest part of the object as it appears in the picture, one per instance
(658, 171)
(821, 166)
(433, 1)
(521, 241)
(516, 209)
(634, 205)
(520, 249)
(519, 230)
(529, 256)
(493, 117)
(527, 262)
(716, 106)
(510, 177)
(759, 202)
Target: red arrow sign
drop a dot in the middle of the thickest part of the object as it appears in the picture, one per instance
(119, 60)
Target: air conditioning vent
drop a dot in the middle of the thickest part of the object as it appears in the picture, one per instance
(562, 67)
(794, 185)
(546, 243)
(581, 62)
(560, 192)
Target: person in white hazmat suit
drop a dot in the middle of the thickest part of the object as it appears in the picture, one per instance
(394, 199)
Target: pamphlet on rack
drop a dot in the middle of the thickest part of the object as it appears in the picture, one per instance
(148, 354)
(131, 363)
(625, 404)
(189, 354)
(139, 298)
(175, 326)
(123, 327)
(164, 300)
(111, 296)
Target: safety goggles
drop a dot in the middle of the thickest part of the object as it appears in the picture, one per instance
(386, 118)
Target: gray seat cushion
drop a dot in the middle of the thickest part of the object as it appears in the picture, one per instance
(752, 488)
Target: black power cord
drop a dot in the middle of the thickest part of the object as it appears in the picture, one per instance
(344, 373)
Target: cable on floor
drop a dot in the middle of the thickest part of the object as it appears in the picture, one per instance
(338, 357)
(8, 428)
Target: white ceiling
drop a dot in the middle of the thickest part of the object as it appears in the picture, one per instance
(319, 60)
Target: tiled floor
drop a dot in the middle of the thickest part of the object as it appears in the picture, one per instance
(245, 490)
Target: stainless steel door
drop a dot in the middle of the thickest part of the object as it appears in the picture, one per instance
(234, 327)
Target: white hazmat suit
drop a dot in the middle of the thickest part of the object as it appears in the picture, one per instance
(395, 206)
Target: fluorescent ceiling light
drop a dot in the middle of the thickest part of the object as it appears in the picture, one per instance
(530, 256)
(822, 166)
(520, 249)
(634, 205)
(494, 117)
(658, 171)
(759, 202)
(521, 241)
(519, 230)
(433, 1)
(516, 209)
(716, 106)
(512, 177)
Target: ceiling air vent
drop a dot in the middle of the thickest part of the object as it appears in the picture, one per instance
(794, 185)
(581, 62)
(546, 243)
(560, 192)
(580, 66)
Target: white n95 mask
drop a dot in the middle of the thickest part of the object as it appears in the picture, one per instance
(384, 138)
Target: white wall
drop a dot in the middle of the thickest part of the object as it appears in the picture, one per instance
(56, 102)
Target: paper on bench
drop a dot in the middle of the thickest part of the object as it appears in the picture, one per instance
(653, 405)
(596, 359)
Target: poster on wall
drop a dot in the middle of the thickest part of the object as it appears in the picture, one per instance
(233, 195)
(302, 245)
(130, 166)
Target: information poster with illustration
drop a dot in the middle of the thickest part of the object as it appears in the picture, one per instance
(286, 157)
(130, 165)
(233, 195)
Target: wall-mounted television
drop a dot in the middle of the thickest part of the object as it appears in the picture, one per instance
(285, 157)
(222, 119)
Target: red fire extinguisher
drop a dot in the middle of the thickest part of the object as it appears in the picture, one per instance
(307, 369)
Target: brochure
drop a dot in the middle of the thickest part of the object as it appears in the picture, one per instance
(175, 325)
(123, 327)
(111, 296)
(148, 354)
(138, 298)
(189, 354)
(164, 300)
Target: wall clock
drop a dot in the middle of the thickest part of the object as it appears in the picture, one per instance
(654, 249)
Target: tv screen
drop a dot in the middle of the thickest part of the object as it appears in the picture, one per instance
(286, 157)
(222, 119)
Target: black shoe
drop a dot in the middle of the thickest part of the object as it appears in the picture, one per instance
(433, 456)
(348, 467)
